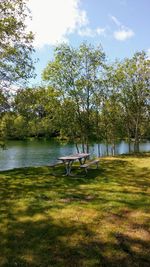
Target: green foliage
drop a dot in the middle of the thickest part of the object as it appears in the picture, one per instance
(84, 100)
(16, 43)
(38, 108)
(75, 73)
(133, 82)
(4, 104)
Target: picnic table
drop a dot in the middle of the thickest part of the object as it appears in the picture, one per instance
(68, 160)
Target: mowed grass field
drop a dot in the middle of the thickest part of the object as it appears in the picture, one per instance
(51, 220)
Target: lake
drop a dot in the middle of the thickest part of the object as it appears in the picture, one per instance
(38, 153)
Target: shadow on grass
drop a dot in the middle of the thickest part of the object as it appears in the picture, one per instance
(96, 221)
(50, 243)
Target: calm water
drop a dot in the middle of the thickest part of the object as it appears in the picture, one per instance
(38, 153)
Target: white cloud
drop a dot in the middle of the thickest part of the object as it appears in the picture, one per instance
(53, 20)
(101, 31)
(88, 32)
(115, 20)
(123, 34)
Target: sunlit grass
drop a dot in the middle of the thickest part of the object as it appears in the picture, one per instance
(99, 220)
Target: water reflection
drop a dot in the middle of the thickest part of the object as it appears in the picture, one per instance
(39, 153)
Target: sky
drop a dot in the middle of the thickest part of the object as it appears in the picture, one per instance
(122, 27)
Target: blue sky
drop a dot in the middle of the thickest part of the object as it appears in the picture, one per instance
(122, 27)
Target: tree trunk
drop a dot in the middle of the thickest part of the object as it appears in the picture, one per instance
(87, 147)
(77, 148)
(136, 145)
(136, 140)
(129, 145)
(99, 150)
(113, 149)
(83, 148)
(107, 150)
(129, 142)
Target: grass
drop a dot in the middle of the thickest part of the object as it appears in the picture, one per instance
(102, 220)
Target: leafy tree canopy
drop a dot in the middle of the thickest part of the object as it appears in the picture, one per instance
(16, 43)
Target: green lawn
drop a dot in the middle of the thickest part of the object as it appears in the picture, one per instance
(57, 221)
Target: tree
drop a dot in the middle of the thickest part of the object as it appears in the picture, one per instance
(36, 108)
(4, 103)
(75, 73)
(133, 77)
(16, 47)
(111, 121)
(4, 109)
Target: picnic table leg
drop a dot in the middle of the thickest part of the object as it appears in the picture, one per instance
(82, 160)
(86, 171)
(68, 166)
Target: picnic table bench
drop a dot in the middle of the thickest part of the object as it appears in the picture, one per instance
(54, 164)
(89, 163)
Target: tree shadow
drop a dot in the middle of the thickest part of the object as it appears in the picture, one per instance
(77, 221)
(50, 243)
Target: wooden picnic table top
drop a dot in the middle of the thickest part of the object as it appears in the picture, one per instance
(74, 156)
